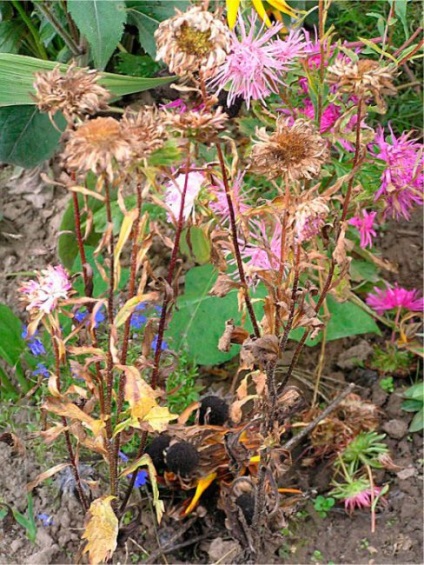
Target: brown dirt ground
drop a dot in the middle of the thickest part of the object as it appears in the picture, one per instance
(31, 216)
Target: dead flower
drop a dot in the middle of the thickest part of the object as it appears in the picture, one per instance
(145, 130)
(74, 92)
(201, 125)
(296, 150)
(95, 146)
(363, 79)
(192, 41)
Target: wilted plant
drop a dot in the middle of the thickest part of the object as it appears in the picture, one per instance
(281, 258)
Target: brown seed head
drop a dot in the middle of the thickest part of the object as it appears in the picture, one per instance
(363, 78)
(96, 146)
(145, 130)
(297, 151)
(202, 125)
(192, 41)
(74, 92)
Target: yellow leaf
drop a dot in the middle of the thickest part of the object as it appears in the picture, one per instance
(124, 234)
(130, 305)
(87, 192)
(140, 396)
(232, 10)
(101, 531)
(158, 418)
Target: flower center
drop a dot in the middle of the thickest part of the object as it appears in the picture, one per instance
(193, 41)
(290, 147)
(100, 132)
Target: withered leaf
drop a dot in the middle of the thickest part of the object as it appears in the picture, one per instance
(263, 349)
(46, 475)
(101, 531)
(224, 284)
(14, 442)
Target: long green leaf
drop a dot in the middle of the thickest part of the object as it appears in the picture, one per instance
(102, 24)
(17, 77)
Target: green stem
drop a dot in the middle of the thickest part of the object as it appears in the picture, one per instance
(40, 47)
(51, 18)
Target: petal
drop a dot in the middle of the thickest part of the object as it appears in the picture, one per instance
(259, 7)
(232, 10)
(282, 6)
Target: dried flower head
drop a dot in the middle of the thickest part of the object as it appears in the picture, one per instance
(363, 78)
(192, 41)
(144, 129)
(202, 125)
(95, 146)
(42, 295)
(74, 92)
(296, 150)
(309, 218)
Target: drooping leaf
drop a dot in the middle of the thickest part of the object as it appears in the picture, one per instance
(130, 305)
(27, 137)
(101, 531)
(17, 78)
(196, 244)
(146, 15)
(199, 320)
(101, 23)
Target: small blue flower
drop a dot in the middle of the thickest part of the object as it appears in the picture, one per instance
(123, 457)
(155, 342)
(41, 370)
(82, 315)
(34, 345)
(45, 519)
(141, 478)
(138, 318)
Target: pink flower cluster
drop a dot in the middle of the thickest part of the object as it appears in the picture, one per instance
(43, 294)
(255, 63)
(402, 181)
(395, 297)
(361, 499)
(364, 223)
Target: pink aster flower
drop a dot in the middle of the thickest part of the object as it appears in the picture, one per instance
(288, 49)
(220, 206)
(393, 298)
(265, 254)
(43, 294)
(174, 191)
(251, 69)
(330, 114)
(402, 181)
(361, 499)
(365, 225)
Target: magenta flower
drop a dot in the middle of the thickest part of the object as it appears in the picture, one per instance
(174, 190)
(330, 114)
(288, 49)
(395, 297)
(403, 178)
(365, 225)
(251, 69)
(43, 294)
(361, 499)
(265, 254)
(220, 206)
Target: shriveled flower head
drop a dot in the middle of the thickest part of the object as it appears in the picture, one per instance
(395, 297)
(357, 493)
(364, 223)
(145, 130)
(43, 294)
(263, 251)
(295, 150)
(202, 125)
(251, 70)
(402, 181)
(74, 92)
(174, 193)
(363, 78)
(96, 146)
(309, 218)
(192, 41)
(220, 205)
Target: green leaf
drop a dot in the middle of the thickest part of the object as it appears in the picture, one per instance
(417, 423)
(400, 10)
(411, 405)
(347, 319)
(147, 15)
(199, 319)
(12, 344)
(27, 137)
(416, 391)
(100, 286)
(363, 271)
(17, 77)
(11, 36)
(136, 65)
(196, 244)
(102, 24)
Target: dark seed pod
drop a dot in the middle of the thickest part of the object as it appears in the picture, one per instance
(246, 502)
(156, 450)
(182, 458)
(213, 410)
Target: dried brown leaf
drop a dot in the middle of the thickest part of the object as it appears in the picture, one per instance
(101, 531)
(224, 284)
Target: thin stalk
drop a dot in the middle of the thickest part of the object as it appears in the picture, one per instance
(109, 359)
(236, 245)
(32, 29)
(169, 279)
(127, 327)
(51, 18)
(371, 479)
(277, 321)
(411, 54)
(408, 42)
(321, 25)
(129, 490)
(71, 454)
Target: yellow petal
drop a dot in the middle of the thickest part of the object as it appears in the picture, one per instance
(202, 485)
(282, 6)
(259, 7)
(232, 10)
